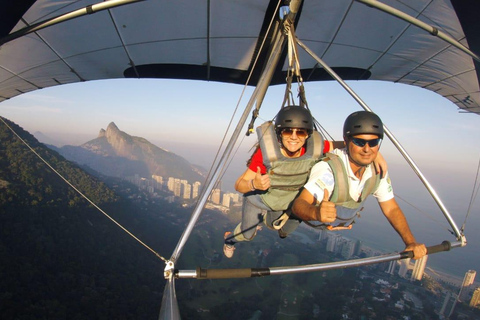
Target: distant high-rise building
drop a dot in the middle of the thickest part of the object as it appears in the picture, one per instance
(187, 191)
(348, 249)
(448, 303)
(196, 189)
(171, 184)
(404, 263)
(419, 268)
(226, 200)
(158, 179)
(332, 240)
(322, 235)
(235, 197)
(216, 196)
(177, 187)
(358, 248)
(469, 278)
(466, 284)
(391, 267)
(475, 301)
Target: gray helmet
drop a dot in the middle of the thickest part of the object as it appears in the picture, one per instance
(294, 117)
(363, 122)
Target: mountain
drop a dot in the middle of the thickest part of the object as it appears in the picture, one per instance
(25, 179)
(118, 154)
(40, 136)
(63, 259)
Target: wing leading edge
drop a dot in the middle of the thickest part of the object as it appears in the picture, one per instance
(219, 41)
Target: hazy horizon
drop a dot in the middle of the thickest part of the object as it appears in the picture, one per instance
(443, 142)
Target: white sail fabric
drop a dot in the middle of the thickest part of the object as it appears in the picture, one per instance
(218, 40)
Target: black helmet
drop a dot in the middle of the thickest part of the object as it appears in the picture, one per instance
(363, 122)
(294, 117)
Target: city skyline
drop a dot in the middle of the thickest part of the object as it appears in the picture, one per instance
(181, 188)
(412, 270)
(198, 129)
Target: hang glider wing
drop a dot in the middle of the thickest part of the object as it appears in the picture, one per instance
(219, 40)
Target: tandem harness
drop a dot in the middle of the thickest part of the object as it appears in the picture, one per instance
(341, 193)
(287, 175)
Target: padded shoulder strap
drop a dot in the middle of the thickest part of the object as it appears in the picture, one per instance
(268, 142)
(315, 143)
(267, 138)
(370, 185)
(340, 190)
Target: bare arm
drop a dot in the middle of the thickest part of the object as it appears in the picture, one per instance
(337, 145)
(397, 219)
(250, 181)
(305, 208)
(380, 165)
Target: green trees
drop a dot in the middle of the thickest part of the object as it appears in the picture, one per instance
(62, 259)
(27, 180)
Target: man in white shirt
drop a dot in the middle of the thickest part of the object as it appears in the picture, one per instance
(363, 132)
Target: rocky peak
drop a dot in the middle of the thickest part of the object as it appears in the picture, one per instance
(116, 153)
(101, 134)
(112, 129)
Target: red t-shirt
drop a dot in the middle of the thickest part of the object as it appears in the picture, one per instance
(257, 158)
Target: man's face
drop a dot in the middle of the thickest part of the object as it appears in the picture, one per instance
(362, 153)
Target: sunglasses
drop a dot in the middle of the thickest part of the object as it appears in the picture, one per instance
(301, 133)
(362, 142)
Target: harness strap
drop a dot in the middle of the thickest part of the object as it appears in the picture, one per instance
(340, 192)
(268, 141)
(270, 147)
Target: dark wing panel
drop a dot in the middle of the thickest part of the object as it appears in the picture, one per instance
(11, 13)
(220, 40)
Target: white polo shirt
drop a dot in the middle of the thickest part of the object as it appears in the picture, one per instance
(321, 177)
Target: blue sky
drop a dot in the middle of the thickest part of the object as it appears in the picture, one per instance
(190, 118)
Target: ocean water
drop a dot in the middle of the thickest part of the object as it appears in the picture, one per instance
(374, 231)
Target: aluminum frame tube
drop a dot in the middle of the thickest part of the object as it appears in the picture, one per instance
(352, 263)
(392, 138)
(257, 95)
(416, 22)
(65, 17)
(169, 308)
(444, 246)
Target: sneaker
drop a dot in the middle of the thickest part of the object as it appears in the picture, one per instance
(228, 249)
(282, 234)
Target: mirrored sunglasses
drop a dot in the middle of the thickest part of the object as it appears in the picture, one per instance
(362, 142)
(301, 133)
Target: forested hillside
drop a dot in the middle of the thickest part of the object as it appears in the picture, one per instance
(61, 258)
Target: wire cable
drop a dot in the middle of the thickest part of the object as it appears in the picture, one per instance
(473, 197)
(225, 168)
(423, 212)
(78, 191)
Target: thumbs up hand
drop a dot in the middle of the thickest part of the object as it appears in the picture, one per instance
(328, 212)
(261, 182)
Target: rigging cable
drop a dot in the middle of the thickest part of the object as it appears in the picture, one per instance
(78, 191)
(423, 212)
(284, 14)
(474, 195)
(225, 167)
(257, 97)
(294, 69)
